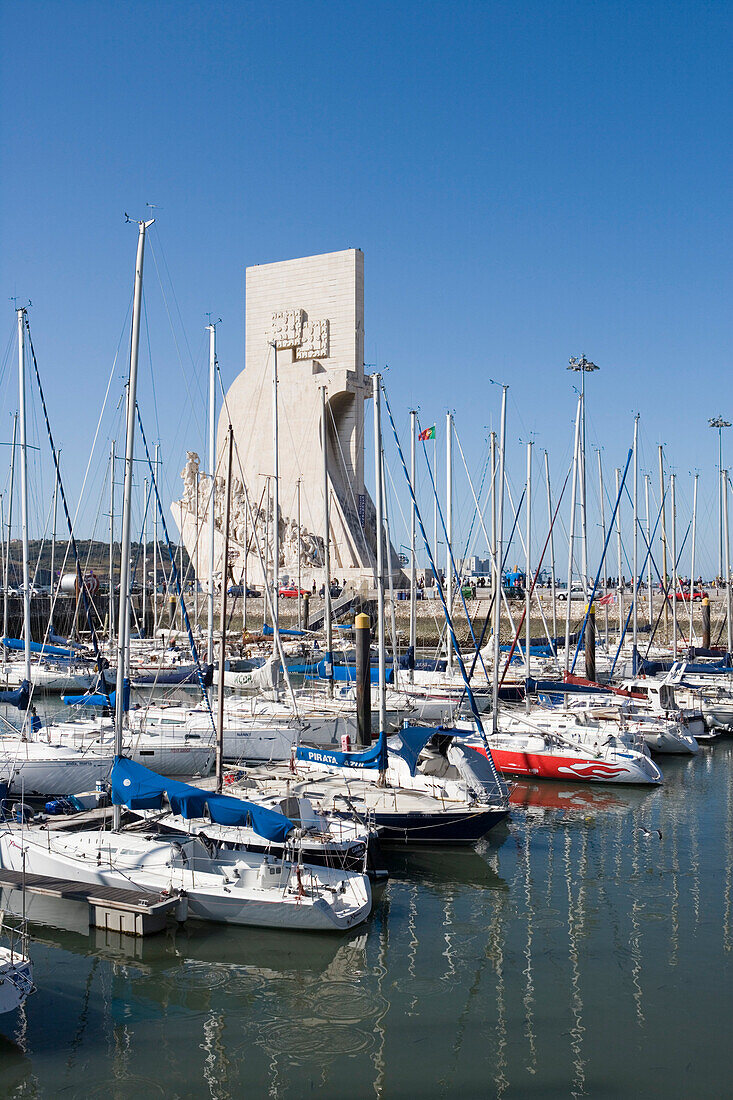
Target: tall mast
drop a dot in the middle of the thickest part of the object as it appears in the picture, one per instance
(692, 561)
(10, 527)
(275, 508)
(144, 618)
(552, 548)
(449, 533)
(672, 483)
(111, 593)
(727, 560)
(53, 528)
(413, 564)
(662, 496)
(327, 549)
(619, 552)
(376, 380)
(527, 581)
(223, 623)
(212, 495)
(583, 366)
(155, 548)
(650, 598)
(635, 578)
(24, 496)
(498, 552)
(124, 616)
(300, 616)
(571, 533)
(603, 535)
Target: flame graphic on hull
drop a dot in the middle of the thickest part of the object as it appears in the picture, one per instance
(594, 770)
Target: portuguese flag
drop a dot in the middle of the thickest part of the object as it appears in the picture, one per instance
(428, 433)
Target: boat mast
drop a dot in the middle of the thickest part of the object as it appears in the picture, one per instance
(124, 615)
(223, 623)
(24, 496)
(143, 617)
(327, 551)
(449, 535)
(376, 382)
(635, 578)
(672, 483)
(571, 534)
(111, 593)
(552, 550)
(297, 508)
(603, 533)
(527, 581)
(692, 562)
(662, 495)
(413, 564)
(53, 528)
(275, 508)
(650, 597)
(10, 526)
(155, 550)
(727, 560)
(498, 552)
(211, 328)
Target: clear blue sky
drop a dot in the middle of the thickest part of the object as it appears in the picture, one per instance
(527, 182)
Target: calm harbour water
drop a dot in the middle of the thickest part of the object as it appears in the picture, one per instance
(574, 954)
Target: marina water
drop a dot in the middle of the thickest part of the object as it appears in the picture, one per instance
(578, 953)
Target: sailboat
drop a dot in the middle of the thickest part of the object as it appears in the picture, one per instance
(231, 886)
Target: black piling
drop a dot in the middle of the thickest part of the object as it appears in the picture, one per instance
(362, 627)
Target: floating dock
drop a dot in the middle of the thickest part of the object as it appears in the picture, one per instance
(134, 912)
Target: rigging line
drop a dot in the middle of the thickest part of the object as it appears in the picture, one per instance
(62, 492)
(609, 535)
(173, 331)
(534, 582)
(501, 785)
(175, 575)
(266, 587)
(487, 619)
(455, 575)
(150, 364)
(348, 480)
(477, 496)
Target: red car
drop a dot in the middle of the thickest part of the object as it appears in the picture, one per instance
(292, 592)
(698, 594)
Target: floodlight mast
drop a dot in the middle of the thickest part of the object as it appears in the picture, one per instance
(583, 366)
(719, 422)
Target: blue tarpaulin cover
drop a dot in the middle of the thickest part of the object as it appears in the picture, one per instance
(137, 787)
(267, 630)
(375, 757)
(38, 647)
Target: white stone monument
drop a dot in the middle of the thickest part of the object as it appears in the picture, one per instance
(312, 309)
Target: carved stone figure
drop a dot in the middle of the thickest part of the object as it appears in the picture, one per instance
(190, 475)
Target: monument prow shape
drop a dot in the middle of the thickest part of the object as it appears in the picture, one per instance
(312, 309)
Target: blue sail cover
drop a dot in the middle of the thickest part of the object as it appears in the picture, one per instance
(38, 647)
(137, 787)
(375, 757)
(267, 631)
(17, 697)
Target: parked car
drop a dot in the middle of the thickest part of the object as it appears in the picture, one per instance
(697, 595)
(238, 590)
(291, 592)
(577, 592)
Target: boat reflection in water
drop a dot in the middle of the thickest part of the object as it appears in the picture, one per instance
(498, 972)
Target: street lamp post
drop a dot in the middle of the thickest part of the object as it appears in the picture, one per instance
(719, 423)
(583, 366)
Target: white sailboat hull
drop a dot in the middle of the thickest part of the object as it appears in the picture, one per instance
(261, 894)
(16, 979)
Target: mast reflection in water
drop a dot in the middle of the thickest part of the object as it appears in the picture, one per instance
(559, 959)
